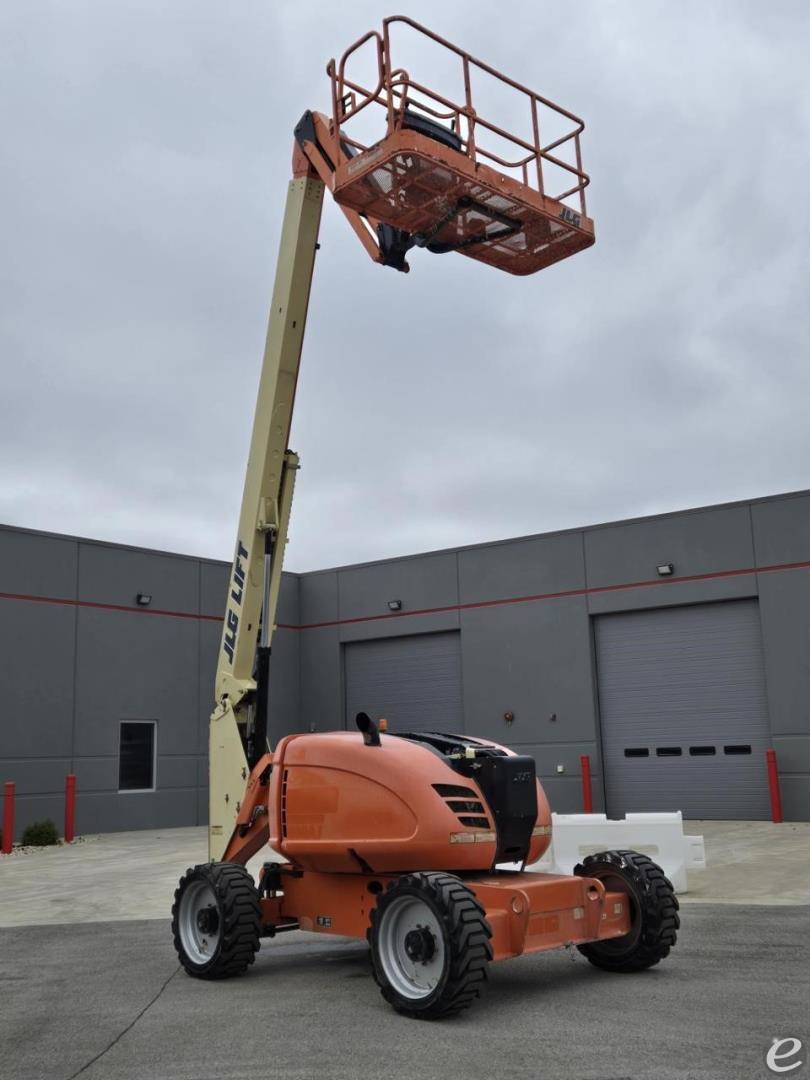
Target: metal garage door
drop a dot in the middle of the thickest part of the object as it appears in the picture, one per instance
(684, 715)
(414, 682)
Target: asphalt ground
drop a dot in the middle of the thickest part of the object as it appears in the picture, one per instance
(107, 1001)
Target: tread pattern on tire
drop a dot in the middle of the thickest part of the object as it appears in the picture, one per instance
(657, 905)
(240, 914)
(467, 940)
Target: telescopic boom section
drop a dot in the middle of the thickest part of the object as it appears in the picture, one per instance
(238, 728)
(238, 736)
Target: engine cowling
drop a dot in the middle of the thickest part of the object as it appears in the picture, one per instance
(416, 801)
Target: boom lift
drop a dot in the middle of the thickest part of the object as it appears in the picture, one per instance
(416, 841)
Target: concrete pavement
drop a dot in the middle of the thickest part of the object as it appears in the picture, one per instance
(133, 875)
(128, 875)
(751, 862)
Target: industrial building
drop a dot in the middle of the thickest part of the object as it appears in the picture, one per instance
(674, 650)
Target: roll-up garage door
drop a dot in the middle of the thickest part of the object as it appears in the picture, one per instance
(683, 710)
(414, 682)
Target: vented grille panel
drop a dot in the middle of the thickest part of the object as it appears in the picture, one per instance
(284, 804)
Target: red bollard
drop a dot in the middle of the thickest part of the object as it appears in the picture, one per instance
(70, 808)
(8, 818)
(587, 798)
(773, 785)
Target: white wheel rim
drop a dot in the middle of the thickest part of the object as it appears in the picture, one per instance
(199, 944)
(412, 977)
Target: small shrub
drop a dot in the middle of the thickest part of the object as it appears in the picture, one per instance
(40, 834)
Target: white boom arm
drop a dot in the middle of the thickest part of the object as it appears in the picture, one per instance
(238, 730)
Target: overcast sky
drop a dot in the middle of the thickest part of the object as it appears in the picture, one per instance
(145, 155)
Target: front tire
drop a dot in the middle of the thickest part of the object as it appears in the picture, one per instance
(653, 907)
(430, 945)
(216, 920)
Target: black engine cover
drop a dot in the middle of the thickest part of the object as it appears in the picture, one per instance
(509, 785)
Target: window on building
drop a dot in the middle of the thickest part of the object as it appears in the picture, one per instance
(136, 755)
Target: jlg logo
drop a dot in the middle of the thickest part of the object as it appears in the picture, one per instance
(237, 592)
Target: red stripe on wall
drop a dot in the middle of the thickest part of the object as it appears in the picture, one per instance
(109, 607)
(592, 591)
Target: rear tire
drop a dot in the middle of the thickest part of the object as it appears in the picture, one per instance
(430, 945)
(653, 908)
(216, 920)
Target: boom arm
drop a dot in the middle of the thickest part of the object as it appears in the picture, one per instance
(238, 735)
(238, 729)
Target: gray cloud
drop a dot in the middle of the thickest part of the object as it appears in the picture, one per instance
(144, 162)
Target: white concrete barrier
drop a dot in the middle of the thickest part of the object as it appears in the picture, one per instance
(573, 836)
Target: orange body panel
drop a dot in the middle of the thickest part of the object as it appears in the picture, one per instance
(527, 912)
(534, 912)
(337, 805)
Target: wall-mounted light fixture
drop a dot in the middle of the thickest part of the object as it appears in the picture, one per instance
(395, 605)
(665, 569)
(143, 599)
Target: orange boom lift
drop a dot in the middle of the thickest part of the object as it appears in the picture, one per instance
(415, 841)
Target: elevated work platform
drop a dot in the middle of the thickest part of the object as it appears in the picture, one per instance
(436, 179)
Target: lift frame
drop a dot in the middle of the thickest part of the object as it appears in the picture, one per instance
(538, 230)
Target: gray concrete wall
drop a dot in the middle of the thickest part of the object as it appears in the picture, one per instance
(79, 656)
(525, 609)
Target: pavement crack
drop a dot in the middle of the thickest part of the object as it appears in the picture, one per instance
(122, 1033)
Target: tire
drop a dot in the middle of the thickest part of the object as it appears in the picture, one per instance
(430, 945)
(653, 907)
(216, 920)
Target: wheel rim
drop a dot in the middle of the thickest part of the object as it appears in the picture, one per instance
(199, 922)
(411, 947)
